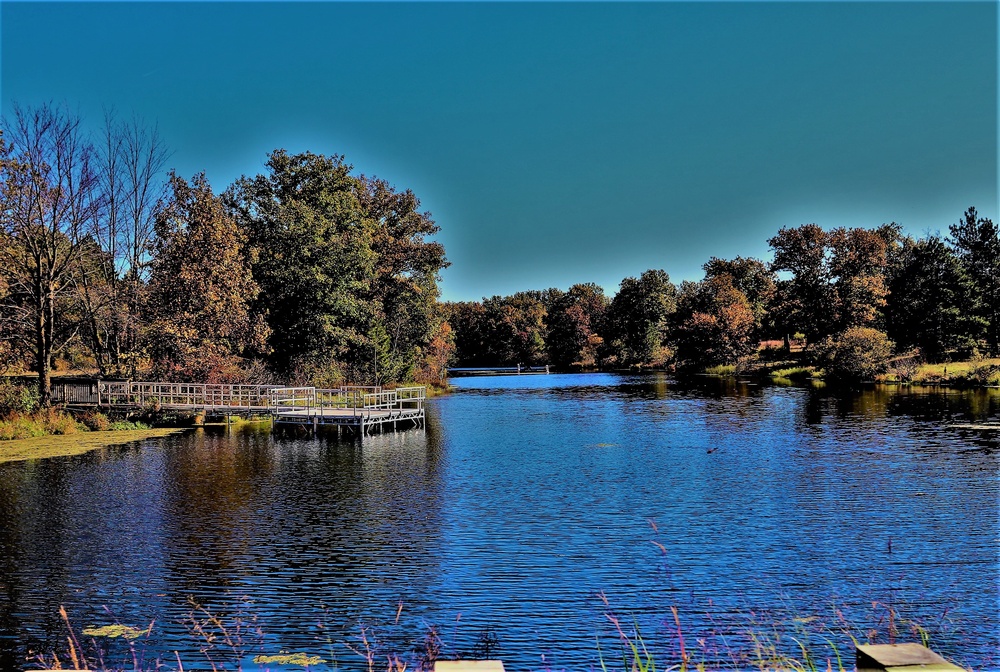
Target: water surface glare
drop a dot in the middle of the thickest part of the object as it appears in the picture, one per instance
(524, 501)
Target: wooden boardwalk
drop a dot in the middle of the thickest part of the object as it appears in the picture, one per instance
(358, 409)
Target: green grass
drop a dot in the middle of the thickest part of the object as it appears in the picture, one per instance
(721, 370)
(971, 373)
(794, 372)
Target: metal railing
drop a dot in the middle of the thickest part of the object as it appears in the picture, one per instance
(360, 400)
(184, 395)
(357, 399)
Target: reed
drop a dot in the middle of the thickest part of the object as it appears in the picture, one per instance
(766, 642)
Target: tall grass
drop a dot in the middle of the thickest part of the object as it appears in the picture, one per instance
(43, 422)
(975, 373)
(52, 421)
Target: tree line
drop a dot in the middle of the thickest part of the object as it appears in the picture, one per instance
(852, 296)
(312, 272)
(306, 272)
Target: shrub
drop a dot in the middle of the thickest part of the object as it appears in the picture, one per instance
(20, 427)
(58, 422)
(858, 353)
(15, 398)
(94, 421)
(126, 425)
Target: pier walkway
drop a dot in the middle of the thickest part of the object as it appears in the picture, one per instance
(359, 409)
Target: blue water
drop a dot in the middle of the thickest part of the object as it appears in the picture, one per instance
(748, 508)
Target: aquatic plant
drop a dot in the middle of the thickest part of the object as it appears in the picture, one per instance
(116, 630)
(768, 641)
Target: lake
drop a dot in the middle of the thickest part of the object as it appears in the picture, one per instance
(529, 510)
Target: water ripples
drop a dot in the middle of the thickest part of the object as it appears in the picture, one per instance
(526, 499)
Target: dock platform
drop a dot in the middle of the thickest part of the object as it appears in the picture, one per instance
(360, 409)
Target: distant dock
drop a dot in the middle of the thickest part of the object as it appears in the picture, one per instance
(498, 370)
(358, 409)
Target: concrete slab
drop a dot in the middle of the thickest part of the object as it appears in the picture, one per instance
(908, 657)
(468, 666)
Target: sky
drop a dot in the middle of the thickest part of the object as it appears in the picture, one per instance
(557, 143)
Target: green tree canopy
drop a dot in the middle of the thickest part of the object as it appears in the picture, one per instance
(805, 301)
(637, 324)
(348, 275)
(976, 241)
(930, 302)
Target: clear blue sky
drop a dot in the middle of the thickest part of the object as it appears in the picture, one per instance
(562, 142)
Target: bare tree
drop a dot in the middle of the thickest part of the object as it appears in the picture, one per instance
(131, 160)
(51, 203)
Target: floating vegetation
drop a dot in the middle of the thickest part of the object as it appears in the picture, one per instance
(303, 659)
(123, 631)
(58, 446)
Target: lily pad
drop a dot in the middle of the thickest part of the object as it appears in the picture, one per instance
(125, 631)
(303, 659)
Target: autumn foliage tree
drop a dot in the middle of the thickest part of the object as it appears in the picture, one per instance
(574, 323)
(859, 263)
(201, 289)
(755, 280)
(856, 354)
(714, 323)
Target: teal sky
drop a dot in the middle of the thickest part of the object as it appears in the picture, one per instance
(557, 143)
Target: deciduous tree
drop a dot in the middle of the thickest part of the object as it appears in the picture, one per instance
(637, 324)
(714, 323)
(753, 278)
(857, 353)
(859, 261)
(805, 301)
(51, 202)
(349, 276)
(201, 289)
(130, 160)
(575, 320)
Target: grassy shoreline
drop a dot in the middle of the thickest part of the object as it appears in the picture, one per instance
(63, 445)
(984, 373)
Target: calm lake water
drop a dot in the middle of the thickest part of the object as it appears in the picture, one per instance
(526, 499)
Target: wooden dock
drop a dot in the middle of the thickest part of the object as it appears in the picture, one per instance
(358, 409)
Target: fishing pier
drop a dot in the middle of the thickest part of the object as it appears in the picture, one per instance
(358, 409)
